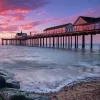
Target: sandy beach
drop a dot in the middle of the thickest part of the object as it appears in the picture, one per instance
(80, 91)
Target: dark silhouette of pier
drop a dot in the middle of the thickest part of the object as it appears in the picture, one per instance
(59, 40)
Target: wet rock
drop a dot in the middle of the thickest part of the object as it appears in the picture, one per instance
(15, 94)
(1, 98)
(21, 97)
(14, 84)
(2, 82)
(9, 79)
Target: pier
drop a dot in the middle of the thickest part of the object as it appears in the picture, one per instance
(58, 40)
(60, 36)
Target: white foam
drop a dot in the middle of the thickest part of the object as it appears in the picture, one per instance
(49, 80)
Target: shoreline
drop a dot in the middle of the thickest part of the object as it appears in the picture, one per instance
(81, 90)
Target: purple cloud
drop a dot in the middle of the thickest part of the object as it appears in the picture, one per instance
(21, 5)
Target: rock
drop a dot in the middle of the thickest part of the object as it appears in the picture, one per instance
(16, 94)
(9, 78)
(14, 84)
(21, 97)
(2, 82)
(1, 98)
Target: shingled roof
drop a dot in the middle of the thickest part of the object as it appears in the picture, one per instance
(55, 27)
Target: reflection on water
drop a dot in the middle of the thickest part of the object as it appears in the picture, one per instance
(44, 70)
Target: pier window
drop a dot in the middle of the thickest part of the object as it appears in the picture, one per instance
(97, 25)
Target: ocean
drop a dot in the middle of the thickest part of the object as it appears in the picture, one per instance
(47, 69)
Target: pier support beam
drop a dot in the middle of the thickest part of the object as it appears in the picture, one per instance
(58, 41)
(49, 41)
(15, 42)
(40, 42)
(63, 42)
(53, 41)
(2, 41)
(30, 42)
(46, 42)
(43, 41)
(91, 47)
(6, 42)
(75, 41)
(68, 41)
(71, 41)
(83, 41)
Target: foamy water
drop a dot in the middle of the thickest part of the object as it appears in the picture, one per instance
(45, 69)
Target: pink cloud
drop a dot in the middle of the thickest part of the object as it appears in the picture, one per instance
(18, 16)
(21, 5)
(9, 28)
(41, 13)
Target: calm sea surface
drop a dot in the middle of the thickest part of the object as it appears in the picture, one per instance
(47, 69)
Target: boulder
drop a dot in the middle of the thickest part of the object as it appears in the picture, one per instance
(19, 97)
(14, 84)
(2, 82)
(16, 94)
(9, 79)
(1, 98)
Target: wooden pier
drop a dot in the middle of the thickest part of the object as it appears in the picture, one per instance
(58, 40)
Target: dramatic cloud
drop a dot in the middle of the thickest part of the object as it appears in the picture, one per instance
(12, 11)
(21, 5)
(18, 16)
(8, 28)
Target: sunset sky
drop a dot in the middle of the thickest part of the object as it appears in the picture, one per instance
(36, 15)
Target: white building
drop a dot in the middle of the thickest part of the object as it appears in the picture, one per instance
(21, 35)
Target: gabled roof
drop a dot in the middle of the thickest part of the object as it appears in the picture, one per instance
(19, 34)
(89, 19)
(55, 27)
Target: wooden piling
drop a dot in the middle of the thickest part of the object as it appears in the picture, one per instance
(83, 41)
(68, 41)
(75, 41)
(91, 42)
(63, 42)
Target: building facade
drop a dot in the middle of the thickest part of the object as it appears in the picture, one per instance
(59, 29)
(21, 35)
(81, 24)
(86, 23)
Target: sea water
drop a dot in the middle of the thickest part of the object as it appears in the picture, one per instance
(46, 69)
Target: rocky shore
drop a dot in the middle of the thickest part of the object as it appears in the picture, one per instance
(82, 90)
(85, 89)
(10, 89)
